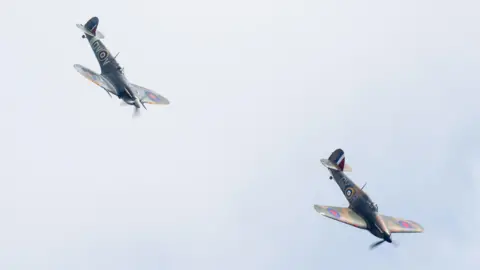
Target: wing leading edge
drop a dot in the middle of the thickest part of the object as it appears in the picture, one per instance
(342, 214)
(398, 225)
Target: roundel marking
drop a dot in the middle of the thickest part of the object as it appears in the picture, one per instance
(102, 55)
(333, 212)
(404, 224)
(349, 192)
(153, 96)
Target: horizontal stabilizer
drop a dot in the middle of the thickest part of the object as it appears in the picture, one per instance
(97, 34)
(329, 164)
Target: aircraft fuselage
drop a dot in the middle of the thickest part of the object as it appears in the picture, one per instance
(361, 204)
(111, 70)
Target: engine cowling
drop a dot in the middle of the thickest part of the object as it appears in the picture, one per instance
(137, 103)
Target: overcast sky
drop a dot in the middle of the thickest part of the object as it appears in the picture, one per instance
(225, 177)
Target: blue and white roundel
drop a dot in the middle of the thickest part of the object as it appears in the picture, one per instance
(349, 192)
(102, 55)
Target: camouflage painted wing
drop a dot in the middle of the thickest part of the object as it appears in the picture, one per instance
(345, 215)
(149, 96)
(95, 78)
(398, 225)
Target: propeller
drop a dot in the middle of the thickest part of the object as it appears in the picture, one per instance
(136, 112)
(376, 244)
(136, 103)
(143, 104)
(136, 107)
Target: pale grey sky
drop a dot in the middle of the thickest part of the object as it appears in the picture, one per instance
(226, 175)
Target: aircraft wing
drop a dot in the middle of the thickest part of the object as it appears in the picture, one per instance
(398, 225)
(342, 214)
(95, 78)
(149, 96)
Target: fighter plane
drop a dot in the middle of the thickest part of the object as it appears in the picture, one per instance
(112, 78)
(362, 212)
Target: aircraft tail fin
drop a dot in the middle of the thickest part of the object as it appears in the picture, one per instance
(92, 25)
(90, 28)
(336, 161)
(338, 158)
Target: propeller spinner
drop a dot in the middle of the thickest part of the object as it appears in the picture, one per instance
(136, 103)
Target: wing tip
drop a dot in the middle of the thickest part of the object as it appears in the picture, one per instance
(157, 98)
(164, 101)
(321, 210)
(419, 228)
(81, 68)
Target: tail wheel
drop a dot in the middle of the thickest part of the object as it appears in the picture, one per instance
(330, 177)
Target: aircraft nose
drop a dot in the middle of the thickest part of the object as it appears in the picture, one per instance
(388, 238)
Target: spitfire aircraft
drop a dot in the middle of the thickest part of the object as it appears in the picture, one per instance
(362, 213)
(112, 78)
